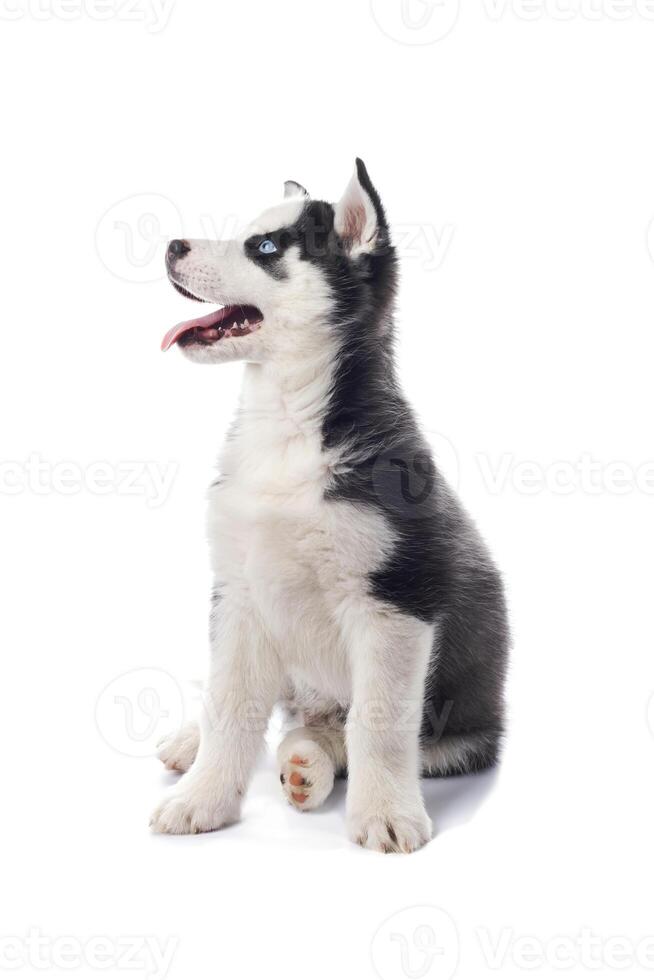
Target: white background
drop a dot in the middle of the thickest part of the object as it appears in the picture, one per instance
(513, 147)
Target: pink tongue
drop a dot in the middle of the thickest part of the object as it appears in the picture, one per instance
(210, 320)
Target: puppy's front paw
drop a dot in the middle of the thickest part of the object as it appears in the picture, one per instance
(196, 807)
(178, 750)
(390, 828)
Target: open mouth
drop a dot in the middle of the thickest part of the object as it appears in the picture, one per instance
(228, 321)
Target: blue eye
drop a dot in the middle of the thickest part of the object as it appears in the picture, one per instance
(267, 246)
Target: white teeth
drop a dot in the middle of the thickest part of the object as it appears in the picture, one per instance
(247, 323)
(234, 325)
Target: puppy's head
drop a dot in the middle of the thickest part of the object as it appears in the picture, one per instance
(299, 271)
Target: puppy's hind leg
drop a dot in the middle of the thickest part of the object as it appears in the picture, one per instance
(178, 750)
(462, 753)
(309, 759)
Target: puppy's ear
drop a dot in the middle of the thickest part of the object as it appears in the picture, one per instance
(293, 189)
(359, 218)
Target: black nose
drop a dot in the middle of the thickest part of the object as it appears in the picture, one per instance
(178, 247)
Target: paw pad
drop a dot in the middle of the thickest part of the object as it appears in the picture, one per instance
(307, 773)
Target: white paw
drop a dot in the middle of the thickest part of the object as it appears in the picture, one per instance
(306, 772)
(197, 806)
(391, 828)
(178, 750)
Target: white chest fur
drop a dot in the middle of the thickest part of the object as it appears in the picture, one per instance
(277, 544)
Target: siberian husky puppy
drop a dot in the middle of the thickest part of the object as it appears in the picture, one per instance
(349, 583)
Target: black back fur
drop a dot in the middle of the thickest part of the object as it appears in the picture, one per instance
(440, 570)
